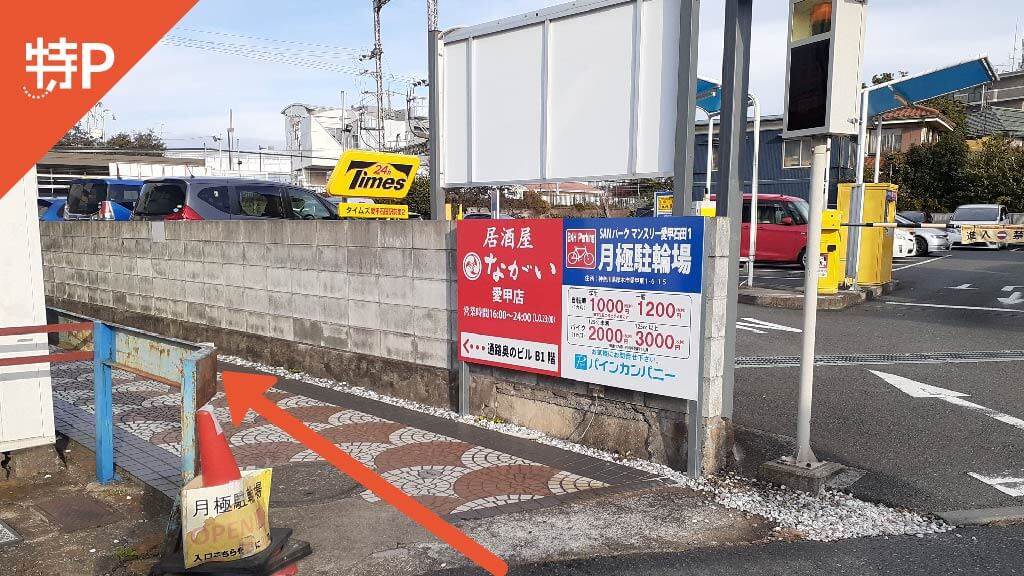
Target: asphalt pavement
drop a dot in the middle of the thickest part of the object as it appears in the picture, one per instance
(918, 452)
(970, 551)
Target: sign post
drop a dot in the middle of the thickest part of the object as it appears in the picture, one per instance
(825, 50)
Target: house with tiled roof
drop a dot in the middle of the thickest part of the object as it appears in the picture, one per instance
(906, 127)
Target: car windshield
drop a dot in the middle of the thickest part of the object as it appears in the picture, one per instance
(161, 198)
(979, 213)
(124, 194)
(84, 196)
(902, 220)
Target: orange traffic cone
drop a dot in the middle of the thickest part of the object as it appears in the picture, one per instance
(218, 463)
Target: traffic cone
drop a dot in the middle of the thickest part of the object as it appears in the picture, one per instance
(218, 463)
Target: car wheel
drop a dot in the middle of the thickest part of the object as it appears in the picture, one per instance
(802, 259)
(922, 246)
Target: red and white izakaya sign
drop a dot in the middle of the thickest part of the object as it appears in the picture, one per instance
(510, 282)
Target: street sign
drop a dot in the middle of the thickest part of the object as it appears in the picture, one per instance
(1005, 233)
(630, 311)
(509, 275)
(663, 203)
(361, 210)
(369, 174)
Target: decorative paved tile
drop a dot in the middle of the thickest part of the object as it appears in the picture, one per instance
(452, 473)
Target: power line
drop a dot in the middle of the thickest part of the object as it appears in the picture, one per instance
(302, 52)
(282, 58)
(294, 42)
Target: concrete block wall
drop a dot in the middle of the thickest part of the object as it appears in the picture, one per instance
(379, 291)
(369, 303)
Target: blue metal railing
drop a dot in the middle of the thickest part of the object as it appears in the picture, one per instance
(192, 368)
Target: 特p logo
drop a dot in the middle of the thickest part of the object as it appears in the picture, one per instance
(56, 64)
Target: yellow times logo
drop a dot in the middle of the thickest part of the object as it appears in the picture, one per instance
(368, 174)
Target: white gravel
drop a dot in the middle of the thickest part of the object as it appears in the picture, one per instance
(833, 516)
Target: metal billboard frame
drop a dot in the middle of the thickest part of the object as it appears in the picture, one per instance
(544, 18)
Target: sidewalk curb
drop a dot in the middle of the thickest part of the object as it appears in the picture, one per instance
(984, 516)
(786, 297)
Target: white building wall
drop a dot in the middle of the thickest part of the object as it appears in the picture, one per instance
(26, 401)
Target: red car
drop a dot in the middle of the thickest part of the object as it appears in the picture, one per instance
(781, 228)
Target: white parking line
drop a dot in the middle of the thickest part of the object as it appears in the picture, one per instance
(919, 263)
(955, 307)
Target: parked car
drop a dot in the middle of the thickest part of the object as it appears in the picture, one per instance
(781, 228)
(903, 244)
(926, 240)
(228, 199)
(976, 214)
(54, 210)
(87, 195)
(43, 204)
(919, 216)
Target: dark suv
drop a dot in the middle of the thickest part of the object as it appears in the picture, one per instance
(228, 199)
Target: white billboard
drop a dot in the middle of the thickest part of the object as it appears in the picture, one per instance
(580, 91)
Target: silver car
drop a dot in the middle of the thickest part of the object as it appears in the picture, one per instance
(926, 240)
(976, 214)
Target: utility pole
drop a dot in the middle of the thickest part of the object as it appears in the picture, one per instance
(437, 204)
(231, 135)
(377, 54)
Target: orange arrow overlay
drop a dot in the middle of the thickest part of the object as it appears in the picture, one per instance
(245, 392)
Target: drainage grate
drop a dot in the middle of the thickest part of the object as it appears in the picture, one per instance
(8, 535)
(883, 359)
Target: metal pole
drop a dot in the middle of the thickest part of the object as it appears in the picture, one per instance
(104, 353)
(434, 48)
(857, 195)
(878, 149)
(686, 108)
(732, 133)
(711, 157)
(819, 172)
(754, 178)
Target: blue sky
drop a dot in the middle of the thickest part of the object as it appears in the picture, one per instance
(185, 93)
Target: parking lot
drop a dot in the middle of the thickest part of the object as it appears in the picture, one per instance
(953, 324)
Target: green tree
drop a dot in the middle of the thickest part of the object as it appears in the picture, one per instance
(418, 198)
(77, 137)
(996, 174)
(136, 141)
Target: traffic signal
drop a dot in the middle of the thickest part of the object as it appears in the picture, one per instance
(823, 72)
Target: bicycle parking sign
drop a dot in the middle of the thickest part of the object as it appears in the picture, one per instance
(611, 301)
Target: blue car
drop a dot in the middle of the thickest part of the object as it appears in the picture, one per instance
(102, 199)
(51, 209)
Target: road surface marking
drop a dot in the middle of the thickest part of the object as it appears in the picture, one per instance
(961, 287)
(759, 326)
(917, 389)
(884, 359)
(1005, 484)
(919, 263)
(1013, 299)
(953, 307)
(1011, 288)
